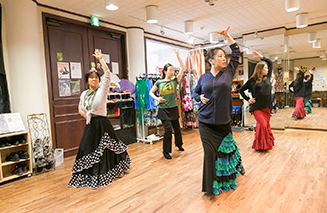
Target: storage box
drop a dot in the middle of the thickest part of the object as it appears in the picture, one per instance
(315, 104)
(59, 156)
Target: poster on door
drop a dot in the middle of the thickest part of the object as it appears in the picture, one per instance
(63, 70)
(75, 87)
(75, 69)
(64, 88)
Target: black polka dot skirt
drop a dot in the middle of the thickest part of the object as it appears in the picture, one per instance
(101, 156)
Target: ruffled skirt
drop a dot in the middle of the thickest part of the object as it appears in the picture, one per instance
(101, 156)
(308, 106)
(222, 160)
(299, 108)
(264, 139)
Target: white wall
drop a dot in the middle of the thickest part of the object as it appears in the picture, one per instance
(159, 54)
(24, 58)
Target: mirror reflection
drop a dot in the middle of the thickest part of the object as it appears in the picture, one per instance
(298, 53)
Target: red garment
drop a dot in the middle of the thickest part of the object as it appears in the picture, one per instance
(264, 138)
(299, 108)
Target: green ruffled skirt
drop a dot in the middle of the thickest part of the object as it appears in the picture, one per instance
(222, 160)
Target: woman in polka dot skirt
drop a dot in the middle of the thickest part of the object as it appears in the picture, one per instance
(101, 155)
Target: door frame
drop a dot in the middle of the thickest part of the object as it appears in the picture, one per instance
(46, 16)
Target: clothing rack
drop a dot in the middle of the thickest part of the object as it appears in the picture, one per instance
(148, 75)
(143, 138)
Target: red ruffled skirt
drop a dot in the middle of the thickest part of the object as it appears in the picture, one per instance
(264, 138)
(299, 108)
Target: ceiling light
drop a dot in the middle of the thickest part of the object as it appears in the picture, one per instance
(191, 40)
(292, 5)
(317, 43)
(279, 61)
(322, 54)
(323, 59)
(312, 36)
(285, 48)
(151, 14)
(214, 38)
(188, 27)
(255, 34)
(110, 5)
(301, 20)
(276, 58)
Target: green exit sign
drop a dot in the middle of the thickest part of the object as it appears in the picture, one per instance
(95, 21)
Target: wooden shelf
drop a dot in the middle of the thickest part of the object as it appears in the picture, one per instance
(13, 146)
(13, 134)
(14, 162)
(15, 176)
(6, 166)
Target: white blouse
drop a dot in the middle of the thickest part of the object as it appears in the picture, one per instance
(99, 106)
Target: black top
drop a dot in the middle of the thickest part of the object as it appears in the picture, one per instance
(218, 90)
(298, 86)
(260, 91)
(308, 86)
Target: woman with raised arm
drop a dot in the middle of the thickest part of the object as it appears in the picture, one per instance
(260, 104)
(222, 160)
(101, 155)
(299, 91)
(168, 111)
(308, 92)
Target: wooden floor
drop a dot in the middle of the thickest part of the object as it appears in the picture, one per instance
(290, 178)
(317, 120)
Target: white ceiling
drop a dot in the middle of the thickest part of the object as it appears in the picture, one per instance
(243, 16)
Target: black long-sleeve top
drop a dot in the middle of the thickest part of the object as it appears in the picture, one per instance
(298, 86)
(308, 86)
(218, 90)
(260, 91)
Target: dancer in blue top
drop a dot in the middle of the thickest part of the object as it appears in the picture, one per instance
(222, 160)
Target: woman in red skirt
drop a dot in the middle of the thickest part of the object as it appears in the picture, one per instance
(260, 104)
(299, 91)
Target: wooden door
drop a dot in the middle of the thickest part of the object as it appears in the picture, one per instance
(67, 43)
(111, 44)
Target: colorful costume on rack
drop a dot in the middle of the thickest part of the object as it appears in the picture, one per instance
(101, 155)
(222, 160)
(261, 91)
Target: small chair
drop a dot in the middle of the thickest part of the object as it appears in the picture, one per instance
(315, 98)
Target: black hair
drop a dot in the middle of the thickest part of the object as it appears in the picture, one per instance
(306, 77)
(165, 69)
(87, 75)
(297, 79)
(211, 54)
